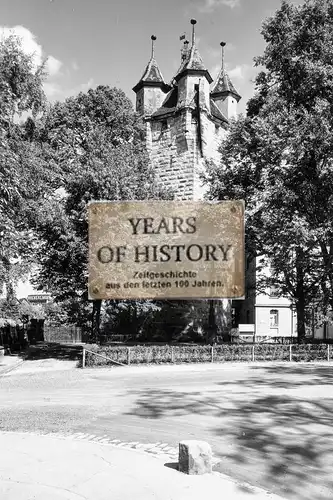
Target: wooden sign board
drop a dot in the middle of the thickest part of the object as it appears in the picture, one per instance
(166, 250)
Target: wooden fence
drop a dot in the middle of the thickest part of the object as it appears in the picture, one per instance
(63, 334)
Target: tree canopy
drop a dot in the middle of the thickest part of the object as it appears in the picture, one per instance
(23, 172)
(97, 140)
(279, 158)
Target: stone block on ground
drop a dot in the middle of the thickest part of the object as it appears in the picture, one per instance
(195, 457)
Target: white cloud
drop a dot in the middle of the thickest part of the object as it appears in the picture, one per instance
(51, 89)
(238, 72)
(55, 92)
(211, 5)
(215, 54)
(53, 65)
(55, 87)
(31, 46)
(29, 43)
(83, 87)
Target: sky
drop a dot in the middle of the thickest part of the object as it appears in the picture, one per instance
(107, 42)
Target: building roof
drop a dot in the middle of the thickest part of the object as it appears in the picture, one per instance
(193, 63)
(223, 85)
(169, 104)
(151, 77)
(216, 112)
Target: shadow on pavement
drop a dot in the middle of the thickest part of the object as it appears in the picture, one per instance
(172, 465)
(291, 376)
(273, 429)
(53, 351)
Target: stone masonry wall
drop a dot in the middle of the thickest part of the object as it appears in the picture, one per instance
(172, 150)
(173, 146)
(149, 99)
(187, 91)
(212, 136)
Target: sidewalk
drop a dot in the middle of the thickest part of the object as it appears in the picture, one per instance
(9, 363)
(39, 467)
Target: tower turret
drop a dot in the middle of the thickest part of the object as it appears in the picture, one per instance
(151, 88)
(224, 93)
(191, 75)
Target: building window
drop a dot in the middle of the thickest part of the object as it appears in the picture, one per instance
(164, 125)
(273, 318)
(139, 103)
(273, 292)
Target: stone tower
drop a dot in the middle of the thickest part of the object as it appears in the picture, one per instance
(185, 123)
(185, 120)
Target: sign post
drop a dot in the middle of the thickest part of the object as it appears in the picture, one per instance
(166, 250)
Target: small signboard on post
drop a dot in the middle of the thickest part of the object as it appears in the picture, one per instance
(166, 250)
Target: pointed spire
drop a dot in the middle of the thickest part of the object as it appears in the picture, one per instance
(193, 22)
(223, 85)
(153, 38)
(193, 61)
(152, 76)
(223, 44)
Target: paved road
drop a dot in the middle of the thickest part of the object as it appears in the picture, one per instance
(268, 425)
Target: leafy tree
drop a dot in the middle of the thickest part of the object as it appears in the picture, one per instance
(55, 314)
(129, 317)
(23, 172)
(280, 157)
(97, 141)
(30, 311)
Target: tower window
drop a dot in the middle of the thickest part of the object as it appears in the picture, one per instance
(273, 318)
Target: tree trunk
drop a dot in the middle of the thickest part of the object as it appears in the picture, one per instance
(300, 295)
(300, 311)
(223, 319)
(327, 279)
(96, 320)
(212, 328)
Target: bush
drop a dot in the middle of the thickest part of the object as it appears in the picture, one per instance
(159, 354)
(309, 352)
(271, 352)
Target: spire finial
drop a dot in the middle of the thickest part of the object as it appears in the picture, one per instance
(193, 22)
(153, 38)
(223, 44)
